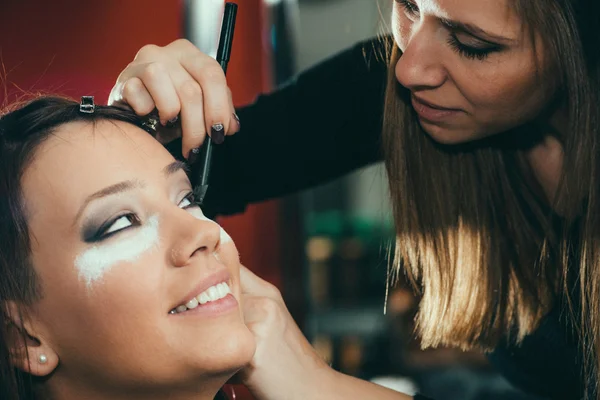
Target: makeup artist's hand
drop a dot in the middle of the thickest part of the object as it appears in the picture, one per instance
(285, 365)
(178, 79)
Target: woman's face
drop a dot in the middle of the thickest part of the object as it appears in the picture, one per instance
(118, 244)
(469, 65)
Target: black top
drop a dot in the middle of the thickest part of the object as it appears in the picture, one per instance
(324, 124)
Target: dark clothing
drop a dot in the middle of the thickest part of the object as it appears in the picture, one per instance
(326, 123)
(421, 397)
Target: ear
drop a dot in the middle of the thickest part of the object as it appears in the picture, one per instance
(29, 351)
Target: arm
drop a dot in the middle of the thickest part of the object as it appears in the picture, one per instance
(325, 123)
(322, 125)
(339, 386)
(285, 365)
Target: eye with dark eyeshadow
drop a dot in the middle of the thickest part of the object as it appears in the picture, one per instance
(94, 234)
(190, 198)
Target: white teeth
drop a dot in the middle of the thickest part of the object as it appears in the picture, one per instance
(181, 308)
(203, 298)
(213, 293)
(193, 303)
(222, 290)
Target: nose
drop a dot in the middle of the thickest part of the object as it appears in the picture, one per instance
(191, 236)
(420, 66)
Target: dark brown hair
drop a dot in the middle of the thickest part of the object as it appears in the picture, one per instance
(472, 233)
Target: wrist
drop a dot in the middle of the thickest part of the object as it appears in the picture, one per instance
(326, 383)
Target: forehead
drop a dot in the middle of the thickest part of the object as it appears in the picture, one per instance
(81, 158)
(498, 16)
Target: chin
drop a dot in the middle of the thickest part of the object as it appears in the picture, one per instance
(225, 353)
(448, 135)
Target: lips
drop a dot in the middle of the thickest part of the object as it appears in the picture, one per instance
(433, 105)
(434, 113)
(215, 279)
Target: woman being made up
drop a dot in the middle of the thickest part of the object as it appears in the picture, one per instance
(487, 117)
(114, 284)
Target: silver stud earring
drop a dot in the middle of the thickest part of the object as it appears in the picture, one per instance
(43, 359)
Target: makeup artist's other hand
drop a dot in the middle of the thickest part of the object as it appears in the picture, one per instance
(178, 79)
(285, 365)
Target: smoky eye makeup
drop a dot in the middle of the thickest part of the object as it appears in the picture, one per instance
(97, 228)
(100, 227)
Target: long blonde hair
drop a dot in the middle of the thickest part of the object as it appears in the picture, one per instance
(473, 236)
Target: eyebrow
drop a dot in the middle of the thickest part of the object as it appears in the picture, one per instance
(125, 186)
(174, 167)
(474, 30)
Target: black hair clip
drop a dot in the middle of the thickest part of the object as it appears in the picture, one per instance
(87, 105)
(150, 123)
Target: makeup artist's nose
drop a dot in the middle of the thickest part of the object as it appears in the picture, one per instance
(420, 66)
(192, 237)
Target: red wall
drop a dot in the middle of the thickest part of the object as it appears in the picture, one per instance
(77, 48)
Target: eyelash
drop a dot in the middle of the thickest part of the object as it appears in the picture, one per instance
(408, 6)
(462, 49)
(133, 218)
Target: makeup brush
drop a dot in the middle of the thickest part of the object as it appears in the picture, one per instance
(202, 168)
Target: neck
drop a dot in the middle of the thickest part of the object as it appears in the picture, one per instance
(201, 391)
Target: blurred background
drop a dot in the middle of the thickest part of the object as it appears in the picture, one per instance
(326, 248)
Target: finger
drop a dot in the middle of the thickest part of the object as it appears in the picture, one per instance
(157, 80)
(192, 115)
(251, 310)
(234, 123)
(137, 96)
(252, 285)
(218, 111)
(116, 94)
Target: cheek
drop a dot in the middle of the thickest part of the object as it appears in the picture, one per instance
(108, 315)
(401, 27)
(225, 238)
(510, 94)
(98, 260)
(95, 285)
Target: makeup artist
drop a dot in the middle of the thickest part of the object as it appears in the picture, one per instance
(486, 115)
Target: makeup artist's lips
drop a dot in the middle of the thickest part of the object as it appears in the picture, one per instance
(432, 112)
(221, 305)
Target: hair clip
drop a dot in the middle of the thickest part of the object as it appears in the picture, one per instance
(87, 105)
(150, 124)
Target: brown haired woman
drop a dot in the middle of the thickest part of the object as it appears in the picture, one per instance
(114, 284)
(487, 118)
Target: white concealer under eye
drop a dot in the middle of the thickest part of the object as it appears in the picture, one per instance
(96, 261)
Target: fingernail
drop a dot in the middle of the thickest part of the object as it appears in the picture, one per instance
(217, 133)
(238, 120)
(193, 156)
(170, 123)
